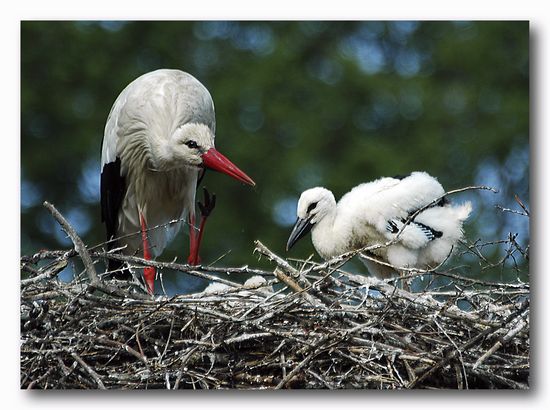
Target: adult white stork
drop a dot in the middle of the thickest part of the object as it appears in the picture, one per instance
(375, 213)
(159, 138)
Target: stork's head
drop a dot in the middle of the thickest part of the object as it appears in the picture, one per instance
(313, 205)
(192, 145)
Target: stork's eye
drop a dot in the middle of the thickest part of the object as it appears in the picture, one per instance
(191, 144)
(311, 207)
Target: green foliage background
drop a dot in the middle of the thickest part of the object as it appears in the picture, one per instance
(298, 104)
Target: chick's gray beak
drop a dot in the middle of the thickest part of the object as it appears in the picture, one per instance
(301, 227)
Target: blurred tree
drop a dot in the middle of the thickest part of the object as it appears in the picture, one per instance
(298, 104)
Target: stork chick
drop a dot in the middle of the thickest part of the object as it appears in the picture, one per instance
(377, 212)
(158, 141)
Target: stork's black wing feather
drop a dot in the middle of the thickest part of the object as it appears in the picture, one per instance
(430, 232)
(113, 189)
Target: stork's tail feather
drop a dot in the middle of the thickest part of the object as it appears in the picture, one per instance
(463, 211)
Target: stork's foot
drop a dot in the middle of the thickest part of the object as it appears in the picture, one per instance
(149, 274)
(209, 204)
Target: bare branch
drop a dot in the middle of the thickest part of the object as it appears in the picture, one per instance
(78, 244)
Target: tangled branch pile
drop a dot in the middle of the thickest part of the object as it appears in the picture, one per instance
(302, 325)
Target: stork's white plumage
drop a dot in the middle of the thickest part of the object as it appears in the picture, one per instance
(159, 138)
(374, 213)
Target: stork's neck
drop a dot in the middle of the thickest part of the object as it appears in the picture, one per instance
(327, 239)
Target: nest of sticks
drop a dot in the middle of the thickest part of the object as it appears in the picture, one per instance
(299, 325)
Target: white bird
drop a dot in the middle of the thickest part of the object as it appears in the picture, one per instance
(374, 213)
(159, 138)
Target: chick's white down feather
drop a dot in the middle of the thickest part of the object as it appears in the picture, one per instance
(374, 212)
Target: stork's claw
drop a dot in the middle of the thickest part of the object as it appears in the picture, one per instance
(209, 203)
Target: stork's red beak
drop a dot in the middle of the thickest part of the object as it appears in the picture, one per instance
(213, 159)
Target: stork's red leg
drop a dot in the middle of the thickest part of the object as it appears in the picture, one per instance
(149, 272)
(194, 258)
(195, 239)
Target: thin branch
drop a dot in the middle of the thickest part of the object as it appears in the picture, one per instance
(78, 244)
(89, 370)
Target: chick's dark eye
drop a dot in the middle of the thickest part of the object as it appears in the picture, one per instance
(311, 207)
(191, 144)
